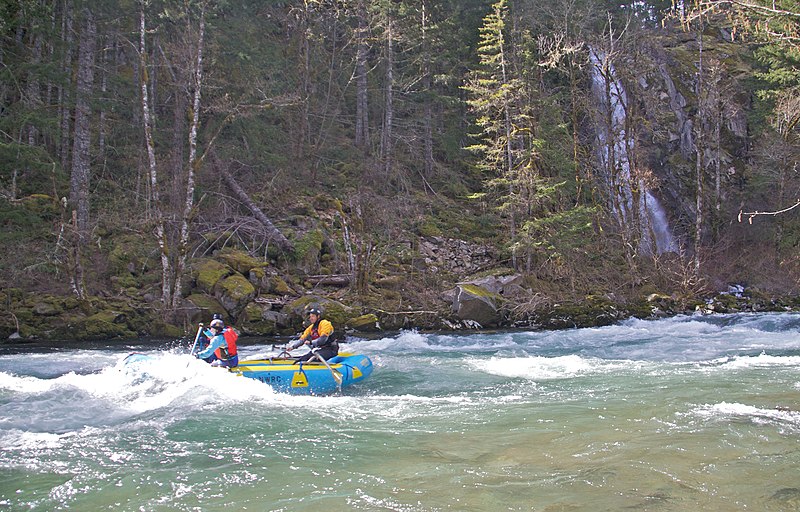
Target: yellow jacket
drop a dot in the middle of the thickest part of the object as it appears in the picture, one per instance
(325, 328)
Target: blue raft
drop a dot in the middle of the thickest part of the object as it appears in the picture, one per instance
(288, 376)
(307, 378)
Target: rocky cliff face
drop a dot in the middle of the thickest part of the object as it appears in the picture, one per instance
(693, 100)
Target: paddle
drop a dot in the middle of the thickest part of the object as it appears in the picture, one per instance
(199, 330)
(337, 376)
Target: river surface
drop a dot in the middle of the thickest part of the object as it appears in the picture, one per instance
(687, 413)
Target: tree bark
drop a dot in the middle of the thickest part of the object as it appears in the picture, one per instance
(427, 86)
(166, 287)
(64, 90)
(194, 164)
(386, 139)
(699, 146)
(79, 179)
(271, 231)
(362, 118)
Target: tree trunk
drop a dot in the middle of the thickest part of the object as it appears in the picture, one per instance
(151, 160)
(386, 139)
(194, 164)
(79, 180)
(362, 120)
(699, 147)
(101, 138)
(427, 86)
(64, 90)
(271, 231)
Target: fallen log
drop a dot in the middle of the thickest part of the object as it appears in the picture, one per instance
(330, 280)
(271, 231)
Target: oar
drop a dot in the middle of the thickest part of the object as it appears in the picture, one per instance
(337, 376)
(199, 330)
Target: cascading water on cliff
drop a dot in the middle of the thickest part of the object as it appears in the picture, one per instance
(614, 146)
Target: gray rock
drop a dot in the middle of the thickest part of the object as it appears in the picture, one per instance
(476, 304)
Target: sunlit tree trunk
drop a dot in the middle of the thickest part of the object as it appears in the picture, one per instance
(151, 161)
(194, 163)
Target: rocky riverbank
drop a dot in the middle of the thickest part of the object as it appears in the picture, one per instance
(492, 302)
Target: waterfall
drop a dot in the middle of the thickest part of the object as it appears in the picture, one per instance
(613, 142)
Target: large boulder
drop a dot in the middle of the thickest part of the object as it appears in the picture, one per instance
(260, 320)
(364, 323)
(507, 286)
(240, 261)
(199, 307)
(476, 304)
(336, 312)
(234, 293)
(208, 272)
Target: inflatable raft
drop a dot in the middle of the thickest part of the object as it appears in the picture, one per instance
(286, 375)
(307, 378)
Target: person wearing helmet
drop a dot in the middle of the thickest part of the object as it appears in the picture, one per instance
(221, 350)
(319, 336)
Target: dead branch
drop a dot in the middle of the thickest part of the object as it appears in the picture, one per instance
(271, 231)
(750, 215)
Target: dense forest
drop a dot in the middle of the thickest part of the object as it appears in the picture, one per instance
(402, 163)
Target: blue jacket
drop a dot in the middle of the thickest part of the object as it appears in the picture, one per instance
(216, 342)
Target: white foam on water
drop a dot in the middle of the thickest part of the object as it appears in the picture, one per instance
(24, 384)
(406, 341)
(547, 368)
(18, 440)
(725, 411)
(761, 361)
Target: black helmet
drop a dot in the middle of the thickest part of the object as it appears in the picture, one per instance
(216, 316)
(314, 311)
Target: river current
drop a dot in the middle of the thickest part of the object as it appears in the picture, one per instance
(677, 414)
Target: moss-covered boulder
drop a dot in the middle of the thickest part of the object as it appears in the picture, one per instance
(240, 261)
(308, 248)
(48, 308)
(258, 320)
(234, 293)
(476, 304)
(200, 307)
(336, 312)
(278, 286)
(207, 273)
(161, 329)
(364, 323)
(129, 254)
(102, 326)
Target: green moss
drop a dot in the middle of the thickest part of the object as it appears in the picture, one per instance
(101, 326)
(236, 287)
(240, 261)
(308, 248)
(129, 254)
(279, 286)
(479, 291)
(428, 228)
(364, 323)
(207, 273)
(208, 305)
(326, 202)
